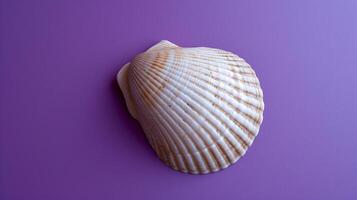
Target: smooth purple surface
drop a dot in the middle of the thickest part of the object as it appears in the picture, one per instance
(66, 133)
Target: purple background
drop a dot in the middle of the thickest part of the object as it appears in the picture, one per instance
(66, 133)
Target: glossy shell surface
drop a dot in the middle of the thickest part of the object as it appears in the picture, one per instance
(200, 108)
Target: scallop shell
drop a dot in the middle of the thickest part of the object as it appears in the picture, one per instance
(200, 108)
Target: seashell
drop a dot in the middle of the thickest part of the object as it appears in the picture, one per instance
(200, 108)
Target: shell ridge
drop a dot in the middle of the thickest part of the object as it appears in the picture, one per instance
(210, 82)
(227, 72)
(184, 164)
(221, 66)
(243, 101)
(215, 143)
(174, 120)
(190, 53)
(217, 117)
(178, 135)
(150, 77)
(248, 115)
(244, 140)
(195, 101)
(246, 91)
(206, 145)
(173, 129)
(233, 61)
(180, 115)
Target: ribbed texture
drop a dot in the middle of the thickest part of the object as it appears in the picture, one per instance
(200, 108)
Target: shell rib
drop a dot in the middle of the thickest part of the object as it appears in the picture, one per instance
(200, 108)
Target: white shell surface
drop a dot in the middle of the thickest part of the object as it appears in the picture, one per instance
(200, 108)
